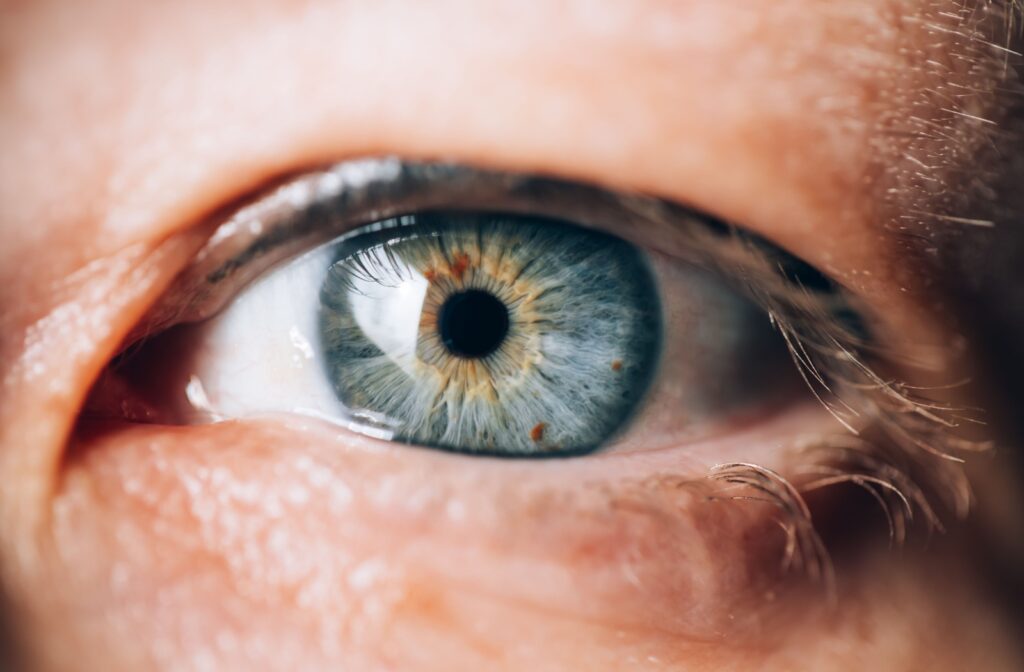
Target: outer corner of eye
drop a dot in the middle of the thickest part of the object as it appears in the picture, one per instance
(469, 320)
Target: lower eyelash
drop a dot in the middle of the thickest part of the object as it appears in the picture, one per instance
(804, 550)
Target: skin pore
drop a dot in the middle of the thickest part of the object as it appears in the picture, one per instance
(285, 544)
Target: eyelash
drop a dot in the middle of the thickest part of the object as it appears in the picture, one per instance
(904, 452)
(905, 457)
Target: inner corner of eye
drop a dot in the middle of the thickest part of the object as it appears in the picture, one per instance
(479, 333)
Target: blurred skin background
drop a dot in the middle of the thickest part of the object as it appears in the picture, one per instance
(875, 141)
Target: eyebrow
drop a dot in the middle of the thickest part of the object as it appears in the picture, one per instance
(916, 144)
(942, 145)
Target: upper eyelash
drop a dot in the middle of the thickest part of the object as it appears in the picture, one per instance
(323, 205)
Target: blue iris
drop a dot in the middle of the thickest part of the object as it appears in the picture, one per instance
(495, 334)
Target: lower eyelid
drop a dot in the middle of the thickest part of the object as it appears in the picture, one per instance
(640, 549)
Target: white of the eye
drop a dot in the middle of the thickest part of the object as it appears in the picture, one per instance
(258, 355)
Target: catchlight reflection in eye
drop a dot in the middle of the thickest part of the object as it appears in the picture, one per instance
(496, 334)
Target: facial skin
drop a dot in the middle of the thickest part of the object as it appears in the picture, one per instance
(287, 544)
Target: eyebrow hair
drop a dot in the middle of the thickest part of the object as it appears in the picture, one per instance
(942, 147)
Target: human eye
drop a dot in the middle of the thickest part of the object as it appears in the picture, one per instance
(506, 315)
(486, 314)
(509, 335)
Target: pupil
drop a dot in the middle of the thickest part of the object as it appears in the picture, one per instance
(472, 323)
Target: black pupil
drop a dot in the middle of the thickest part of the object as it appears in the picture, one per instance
(472, 323)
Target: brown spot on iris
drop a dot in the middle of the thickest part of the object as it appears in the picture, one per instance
(459, 265)
(617, 365)
(537, 433)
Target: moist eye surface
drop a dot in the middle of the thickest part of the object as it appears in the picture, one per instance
(488, 333)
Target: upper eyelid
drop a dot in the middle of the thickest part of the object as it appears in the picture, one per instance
(318, 206)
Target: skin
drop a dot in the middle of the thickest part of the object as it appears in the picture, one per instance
(285, 544)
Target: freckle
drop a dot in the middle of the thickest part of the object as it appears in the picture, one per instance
(617, 365)
(537, 433)
(460, 264)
